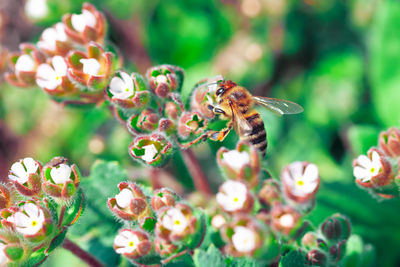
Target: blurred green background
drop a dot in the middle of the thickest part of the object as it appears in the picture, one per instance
(339, 59)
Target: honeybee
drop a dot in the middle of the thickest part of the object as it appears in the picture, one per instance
(236, 104)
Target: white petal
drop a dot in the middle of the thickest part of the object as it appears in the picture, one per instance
(60, 66)
(3, 257)
(46, 72)
(150, 151)
(79, 22)
(19, 171)
(49, 37)
(310, 173)
(235, 159)
(31, 165)
(296, 169)
(21, 220)
(61, 35)
(25, 63)
(61, 174)
(244, 239)
(50, 85)
(124, 198)
(117, 85)
(90, 66)
(127, 80)
(361, 173)
(121, 241)
(32, 210)
(286, 220)
(175, 221)
(364, 161)
(36, 9)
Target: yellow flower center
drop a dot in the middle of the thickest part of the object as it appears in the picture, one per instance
(372, 170)
(177, 222)
(235, 199)
(34, 223)
(300, 182)
(131, 244)
(127, 89)
(57, 78)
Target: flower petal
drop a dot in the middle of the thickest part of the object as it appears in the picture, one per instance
(30, 164)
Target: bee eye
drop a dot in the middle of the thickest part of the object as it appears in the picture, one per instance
(220, 91)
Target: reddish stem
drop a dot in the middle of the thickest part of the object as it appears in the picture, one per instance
(199, 178)
(82, 254)
(62, 214)
(154, 175)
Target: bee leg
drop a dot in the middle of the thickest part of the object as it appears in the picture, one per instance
(199, 139)
(220, 135)
(216, 110)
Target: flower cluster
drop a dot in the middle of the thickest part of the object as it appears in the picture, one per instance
(69, 61)
(378, 170)
(255, 211)
(157, 226)
(34, 206)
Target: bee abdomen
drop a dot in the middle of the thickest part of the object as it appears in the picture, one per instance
(258, 135)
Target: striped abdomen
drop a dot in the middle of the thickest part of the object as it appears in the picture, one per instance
(258, 136)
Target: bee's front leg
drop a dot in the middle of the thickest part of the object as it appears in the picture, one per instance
(220, 135)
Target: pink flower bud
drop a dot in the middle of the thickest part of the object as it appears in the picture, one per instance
(164, 247)
(88, 26)
(25, 175)
(336, 228)
(309, 240)
(165, 79)
(191, 124)
(373, 170)
(269, 193)
(316, 257)
(130, 203)
(243, 163)
(5, 197)
(24, 65)
(300, 181)
(163, 198)
(234, 196)
(152, 149)
(145, 122)
(172, 110)
(132, 244)
(389, 141)
(60, 180)
(284, 219)
(176, 223)
(54, 40)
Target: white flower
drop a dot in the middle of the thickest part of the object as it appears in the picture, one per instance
(161, 79)
(218, 221)
(61, 174)
(90, 66)
(175, 221)
(21, 170)
(124, 198)
(51, 77)
(36, 9)
(25, 63)
(150, 151)
(79, 22)
(301, 183)
(244, 239)
(3, 256)
(126, 242)
(121, 88)
(286, 220)
(51, 35)
(30, 220)
(232, 195)
(235, 159)
(367, 168)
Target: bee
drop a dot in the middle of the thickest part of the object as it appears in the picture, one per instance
(236, 104)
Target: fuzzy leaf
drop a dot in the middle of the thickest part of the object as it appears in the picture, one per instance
(211, 257)
(14, 252)
(293, 259)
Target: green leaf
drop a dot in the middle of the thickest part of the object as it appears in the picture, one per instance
(184, 260)
(15, 253)
(211, 257)
(36, 258)
(57, 241)
(75, 210)
(293, 259)
(362, 137)
(242, 262)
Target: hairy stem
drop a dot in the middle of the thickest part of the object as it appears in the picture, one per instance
(82, 254)
(199, 178)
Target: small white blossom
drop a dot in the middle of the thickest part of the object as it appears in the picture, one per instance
(36, 9)
(175, 221)
(25, 63)
(126, 242)
(30, 220)
(218, 221)
(150, 151)
(287, 220)
(50, 77)
(161, 79)
(61, 174)
(301, 183)
(21, 170)
(367, 168)
(3, 256)
(80, 21)
(121, 88)
(90, 66)
(235, 159)
(243, 239)
(124, 198)
(51, 35)
(232, 195)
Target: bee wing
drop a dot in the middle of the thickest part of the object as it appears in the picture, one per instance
(240, 123)
(278, 106)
